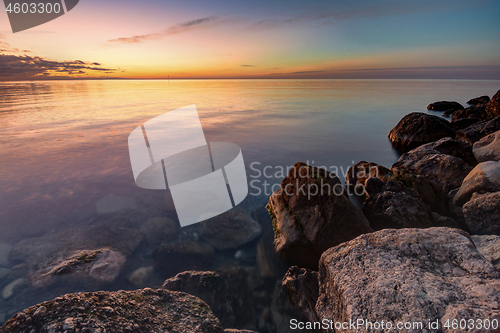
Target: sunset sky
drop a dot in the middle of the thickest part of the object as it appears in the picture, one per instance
(259, 39)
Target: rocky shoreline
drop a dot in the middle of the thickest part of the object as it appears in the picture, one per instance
(424, 247)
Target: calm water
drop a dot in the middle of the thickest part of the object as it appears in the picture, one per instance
(64, 143)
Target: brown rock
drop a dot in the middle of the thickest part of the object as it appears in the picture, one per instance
(479, 130)
(485, 177)
(171, 259)
(488, 148)
(493, 106)
(360, 172)
(479, 100)
(482, 214)
(444, 105)
(302, 285)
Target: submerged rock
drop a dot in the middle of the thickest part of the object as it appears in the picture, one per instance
(489, 246)
(407, 275)
(171, 259)
(478, 100)
(4, 254)
(479, 130)
(226, 292)
(444, 105)
(140, 276)
(8, 290)
(311, 213)
(114, 203)
(229, 230)
(396, 206)
(159, 230)
(488, 148)
(416, 129)
(482, 213)
(145, 310)
(485, 177)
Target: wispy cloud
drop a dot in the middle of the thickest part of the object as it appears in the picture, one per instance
(172, 30)
(247, 66)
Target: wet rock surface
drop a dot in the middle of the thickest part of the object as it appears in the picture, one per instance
(482, 214)
(416, 129)
(407, 275)
(311, 214)
(488, 148)
(145, 310)
(485, 177)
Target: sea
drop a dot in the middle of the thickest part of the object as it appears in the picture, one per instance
(64, 144)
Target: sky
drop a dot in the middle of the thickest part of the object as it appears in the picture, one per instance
(275, 39)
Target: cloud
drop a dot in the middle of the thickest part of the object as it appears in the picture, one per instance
(247, 66)
(172, 30)
(24, 66)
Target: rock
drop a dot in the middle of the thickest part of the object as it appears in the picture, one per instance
(283, 311)
(477, 111)
(373, 186)
(479, 100)
(159, 230)
(226, 292)
(463, 123)
(311, 213)
(302, 285)
(407, 275)
(448, 146)
(145, 310)
(489, 246)
(396, 206)
(9, 289)
(232, 330)
(482, 214)
(171, 259)
(444, 221)
(4, 272)
(140, 276)
(229, 230)
(493, 106)
(416, 129)
(90, 266)
(444, 105)
(485, 177)
(114, 203)
(488, 148)
(360, 172)
(479, 130)
(4, 253)
(43, 251)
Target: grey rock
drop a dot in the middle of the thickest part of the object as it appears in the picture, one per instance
(485, 177)
(396, 206)
(141, 276)
(229, 230)
(479, 130)
(407, 275)
(171, 259)
(302, 285)
(444, 105)
(311, 213)
(489, 246)
(416, 129)
(9, 290)
(144, 310)
(159, 230)
(482, 213)
(488, 148)
(478, 100)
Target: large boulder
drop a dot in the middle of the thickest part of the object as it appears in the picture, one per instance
(416, 129)
(493, 106)
(482, 214)
(146, 310)
(360, 172)
(229, 230)
(463, 123)
(311, 212)
(477, 111)
(302, 286)
(485, 177)
(444, 106)
(479, 130)
(488, 148)
(226, 292)
(407, 275)
(396, 206)
(489, 246)
(171, 259)
(478, 100)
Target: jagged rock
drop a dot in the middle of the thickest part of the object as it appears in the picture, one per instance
(90, 266)
(171, 259)
(360, 172)
(489, 246)
(444, 105)
(226, 292)
(485, 177)
(441, 161)
(493, 106)
(407, 275)
(416, 129)
(159, 230)
(488, 148)
(463, 123)
(396, 206)
(145, 310)
(482, 213)
(311, 213)
(229, 230)
(479, 100)
(479, 130)
(302, 286)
